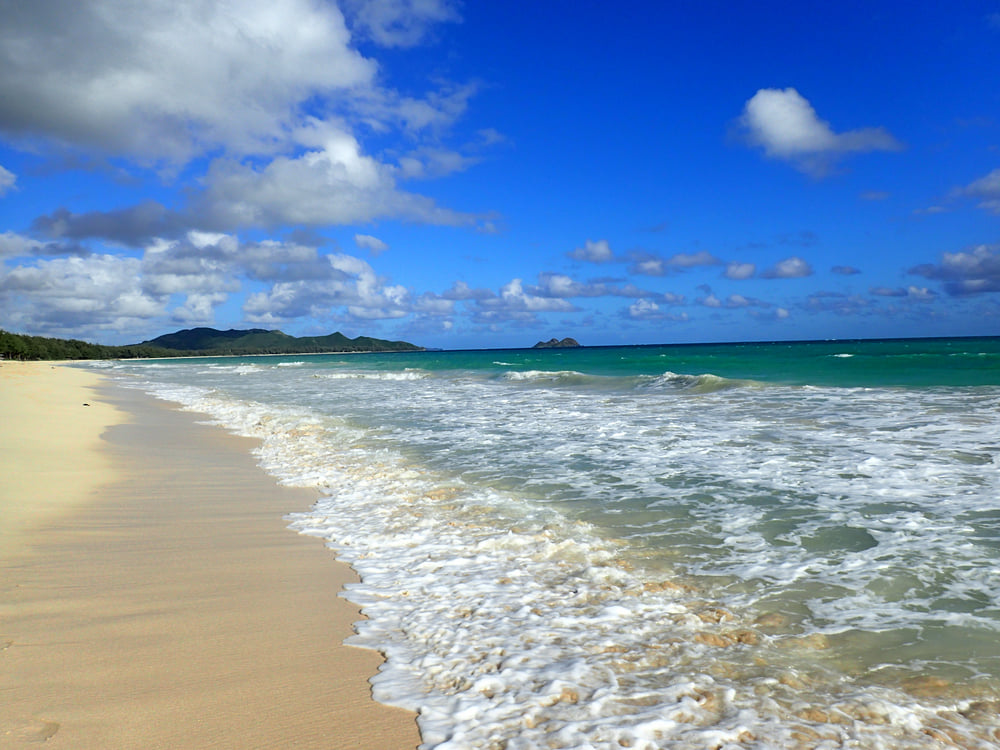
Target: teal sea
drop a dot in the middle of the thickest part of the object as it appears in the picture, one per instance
(761, 545)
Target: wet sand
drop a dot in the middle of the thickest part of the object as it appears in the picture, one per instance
(151, 595)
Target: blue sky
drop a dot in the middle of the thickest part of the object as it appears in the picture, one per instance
(465, 175)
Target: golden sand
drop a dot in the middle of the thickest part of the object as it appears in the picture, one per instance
(150, 594)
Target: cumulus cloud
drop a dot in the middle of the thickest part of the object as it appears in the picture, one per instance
(14, 245)
(372, 244)
(515, 303)
(789, 268)
(335, 183)
(273, 92)
(739, 271)
(973, 271)
(98, 292)
(986, 190)
(785, 125)
(7, 180)
(170, 79)
(710, 300)
(349, 284)
(644, 263)
(513, 297)
(563, 286)
(644, 309)
(732, 302)
(593, 252)
(460, 290)
(431, 304)
(184, 280)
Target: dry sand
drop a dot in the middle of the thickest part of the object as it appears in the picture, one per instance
(150, 594)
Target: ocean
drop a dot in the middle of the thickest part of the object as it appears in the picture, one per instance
(761, 545)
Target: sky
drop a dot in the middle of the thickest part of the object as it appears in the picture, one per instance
(491, 174)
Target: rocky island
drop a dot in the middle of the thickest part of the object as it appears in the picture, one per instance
(566, 343)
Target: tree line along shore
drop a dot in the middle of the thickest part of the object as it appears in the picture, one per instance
(199, 342)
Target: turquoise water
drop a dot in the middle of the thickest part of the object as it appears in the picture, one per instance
(899, 362)
(652, 546)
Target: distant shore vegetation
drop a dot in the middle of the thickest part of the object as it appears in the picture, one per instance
(194, 342)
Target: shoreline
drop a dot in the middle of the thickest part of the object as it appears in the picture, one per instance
(152, 594)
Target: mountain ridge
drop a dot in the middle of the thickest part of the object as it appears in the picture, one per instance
(263, 341)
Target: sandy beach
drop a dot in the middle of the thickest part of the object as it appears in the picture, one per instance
(151, 595)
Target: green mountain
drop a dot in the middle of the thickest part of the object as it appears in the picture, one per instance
(195, 342)
(208, 341)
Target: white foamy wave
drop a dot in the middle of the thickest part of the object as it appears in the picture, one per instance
(290, 364)
(243, 369)
(374, 375)
(706, 383)
(546, 376)
(842, 356)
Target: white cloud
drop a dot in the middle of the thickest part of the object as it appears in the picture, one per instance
(185, 280)
(786, 126)
(372, 244)
(7, 180)
(739, 271)
(987, 189)
(350, 285)
(593, 252)
(334, 184)
(646, 264)
(272, 90)
(644, 309)
(738, 300)
(513, 297)
(649, 264)
(13, 245)
(789, 268)
(198, 309)
(399, 23)
(516, 304)
(170, 79)
(561, 285)
(920, 293)
(974, 271)
(431, 304)
(462, 291)
(202, 264)
(66, 294)
(433, 162)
